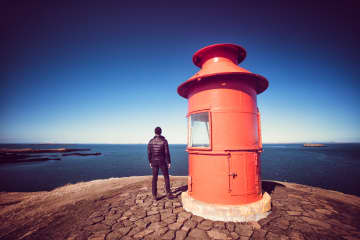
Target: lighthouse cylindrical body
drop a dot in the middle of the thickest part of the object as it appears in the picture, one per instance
(224, 135)
(228, 172)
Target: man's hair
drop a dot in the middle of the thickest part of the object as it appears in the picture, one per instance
(158, 130)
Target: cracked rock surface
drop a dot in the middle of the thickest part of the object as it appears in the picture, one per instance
(123, 208)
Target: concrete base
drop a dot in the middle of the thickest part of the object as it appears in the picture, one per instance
(228, 213)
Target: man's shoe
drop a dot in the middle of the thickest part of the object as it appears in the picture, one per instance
(170, 196)
(155, 197)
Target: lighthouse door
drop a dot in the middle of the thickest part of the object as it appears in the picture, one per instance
(243, 173)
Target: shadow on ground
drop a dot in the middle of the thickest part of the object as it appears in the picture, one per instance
(177, 192)
(269, 186)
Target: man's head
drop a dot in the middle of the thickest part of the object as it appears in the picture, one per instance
(158, 131)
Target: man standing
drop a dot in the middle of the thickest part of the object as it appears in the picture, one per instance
(159, 157)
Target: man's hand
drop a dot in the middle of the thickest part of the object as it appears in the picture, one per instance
(169, 165)
(150, 165)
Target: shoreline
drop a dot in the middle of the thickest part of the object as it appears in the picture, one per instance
(123, 208)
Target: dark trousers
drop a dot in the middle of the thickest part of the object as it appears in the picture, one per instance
(155, 172)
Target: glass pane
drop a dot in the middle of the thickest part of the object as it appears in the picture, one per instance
(199, 130)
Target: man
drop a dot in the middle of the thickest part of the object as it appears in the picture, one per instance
(159, 157)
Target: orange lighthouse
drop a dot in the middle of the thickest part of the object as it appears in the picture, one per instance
(224, 137)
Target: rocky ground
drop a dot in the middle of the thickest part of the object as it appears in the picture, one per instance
(123, 208)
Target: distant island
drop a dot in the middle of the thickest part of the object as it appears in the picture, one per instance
(35, 155)
(81, 154)
(314, 145)
(51, 150)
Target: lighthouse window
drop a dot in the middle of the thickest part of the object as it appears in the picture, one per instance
(199, 133)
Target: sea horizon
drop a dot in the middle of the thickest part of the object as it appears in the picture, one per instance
(74, 143)
(323, 167)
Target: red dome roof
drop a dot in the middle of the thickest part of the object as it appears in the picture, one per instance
(221, 60)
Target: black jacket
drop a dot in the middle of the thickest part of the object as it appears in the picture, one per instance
(158, 150)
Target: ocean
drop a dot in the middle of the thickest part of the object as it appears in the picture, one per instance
(335, 167)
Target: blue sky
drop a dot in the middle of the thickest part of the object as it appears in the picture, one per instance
(107, 71)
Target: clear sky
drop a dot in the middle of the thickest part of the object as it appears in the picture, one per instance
(108, 71)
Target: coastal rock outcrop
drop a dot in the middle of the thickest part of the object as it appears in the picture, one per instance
(26, 154)
(81, 154)
(52, 150)
(314, 145)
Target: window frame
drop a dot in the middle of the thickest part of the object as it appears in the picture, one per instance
(189, 130)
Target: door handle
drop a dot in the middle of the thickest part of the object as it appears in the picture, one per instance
(233, 175)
